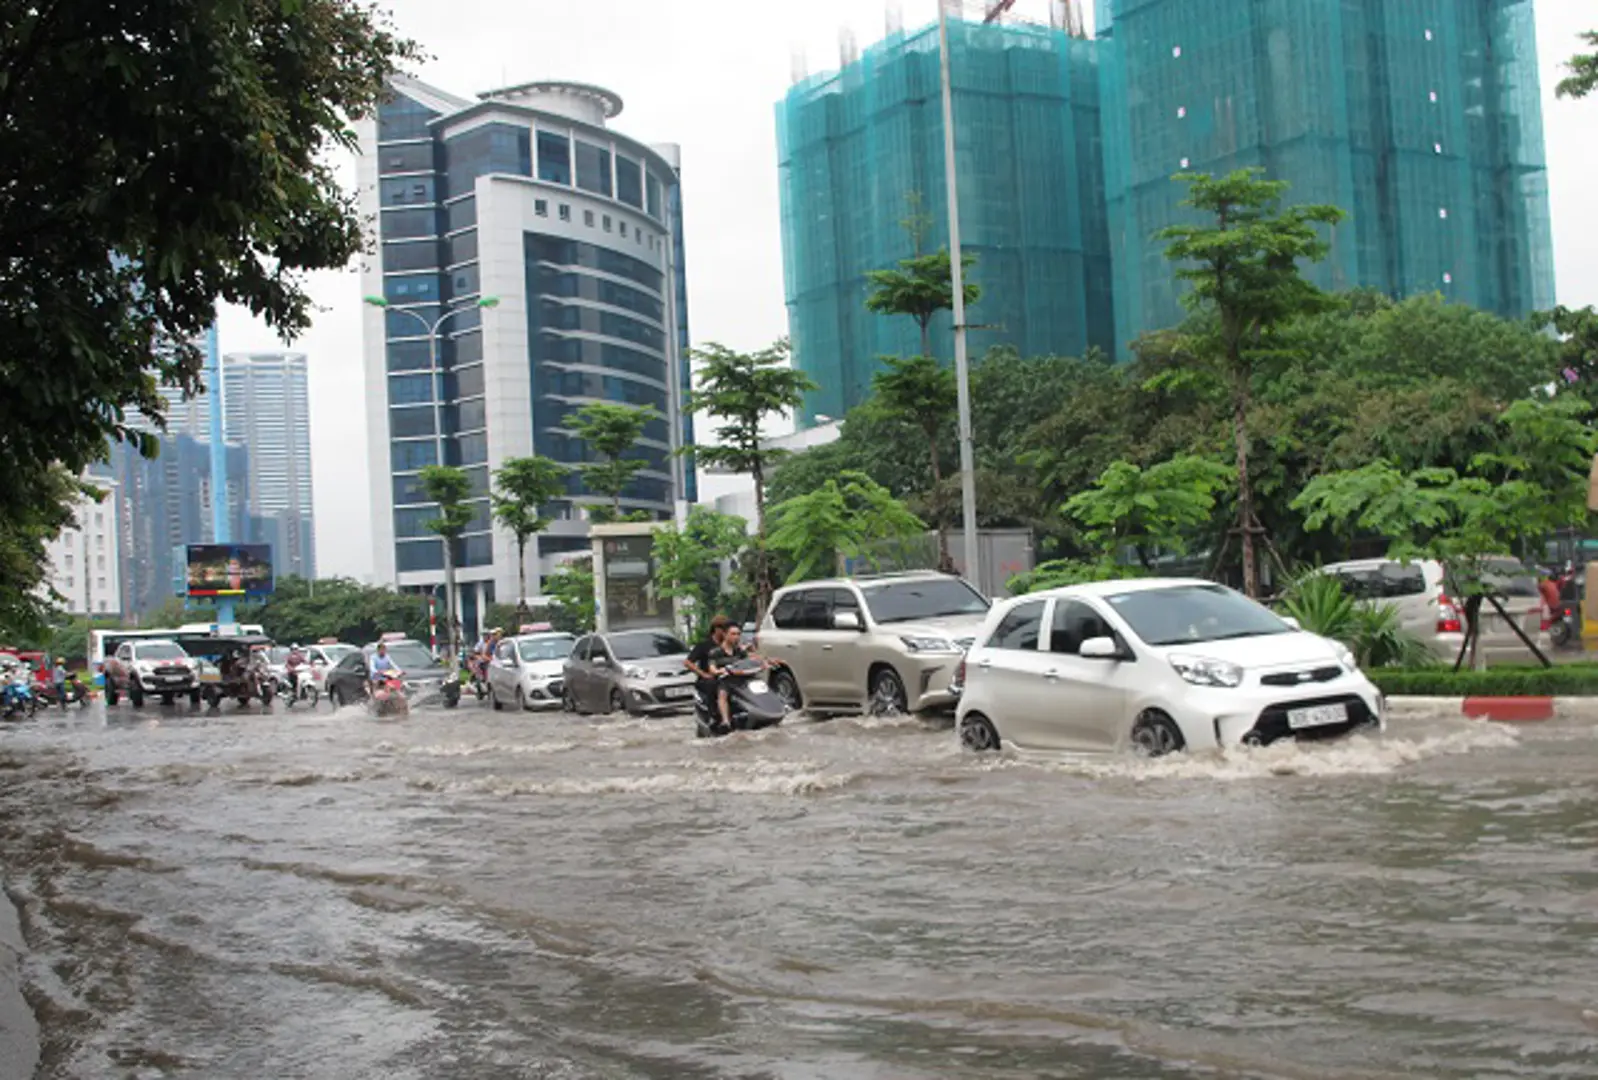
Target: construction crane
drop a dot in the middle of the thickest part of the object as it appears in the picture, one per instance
(996, 10)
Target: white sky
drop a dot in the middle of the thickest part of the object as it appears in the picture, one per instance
(707, 74)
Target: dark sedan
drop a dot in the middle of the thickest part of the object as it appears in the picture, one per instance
(424, 677)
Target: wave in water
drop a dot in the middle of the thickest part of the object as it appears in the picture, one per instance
(758, 778)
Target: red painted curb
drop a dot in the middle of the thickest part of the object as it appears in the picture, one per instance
(1510, 710)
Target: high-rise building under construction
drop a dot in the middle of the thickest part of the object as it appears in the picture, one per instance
(1420, 118)
(861, 151)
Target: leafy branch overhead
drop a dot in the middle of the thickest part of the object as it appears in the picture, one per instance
(1583, 77)
(849, 517)
(920, 287)
(1157, 509)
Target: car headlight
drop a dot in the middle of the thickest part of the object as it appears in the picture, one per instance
(1204, 671)
(636, 673)
(1345, 656)
(929, 644)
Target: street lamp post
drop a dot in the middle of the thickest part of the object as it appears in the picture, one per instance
(962, 367)
(437, 374)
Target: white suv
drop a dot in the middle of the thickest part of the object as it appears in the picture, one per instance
(882, 645)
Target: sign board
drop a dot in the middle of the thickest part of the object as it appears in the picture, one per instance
(228, 571)
(630, 600)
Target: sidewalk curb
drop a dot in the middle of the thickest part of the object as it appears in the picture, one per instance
(1505, 710)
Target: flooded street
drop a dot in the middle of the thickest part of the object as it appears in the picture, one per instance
(484, 895)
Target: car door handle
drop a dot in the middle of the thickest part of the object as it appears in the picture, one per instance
(1052, 675)
(985, 664)
(826, 648)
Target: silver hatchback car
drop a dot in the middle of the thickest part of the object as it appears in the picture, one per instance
(632, 671)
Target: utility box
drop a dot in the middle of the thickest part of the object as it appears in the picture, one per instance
(625, 594)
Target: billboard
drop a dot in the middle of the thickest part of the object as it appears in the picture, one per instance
(230, 570)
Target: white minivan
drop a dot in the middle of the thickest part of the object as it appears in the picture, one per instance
(1155, 665)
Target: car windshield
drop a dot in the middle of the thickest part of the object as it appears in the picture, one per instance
(646, 646)
(410, 657)
(160, 650)
(1190, 614)
(913, 601)
(335, 653)
(277, 654)
(551, 648)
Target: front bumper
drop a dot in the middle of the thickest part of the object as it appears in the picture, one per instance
(543, 693)
(929, 681)
(1258, 716)
(168, 684)
(659, 697)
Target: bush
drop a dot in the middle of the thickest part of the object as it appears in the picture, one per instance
(1373, 632)
(1572, 680)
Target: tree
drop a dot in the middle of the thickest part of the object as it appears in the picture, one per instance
(611, 431)
(449, 487)
(572, 589)
(522, 488)
(1244, 268)
(688, 563)
(1154, 509)
(1059, 573)
(1533, 483)
(743, 391)
(922, 286)
(921, 391)
(154, 159)
(848, 517)
(1583, 77)
(25, 533)
(1578, 346)
(343, 609)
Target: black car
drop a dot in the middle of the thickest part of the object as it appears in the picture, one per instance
(424, 677)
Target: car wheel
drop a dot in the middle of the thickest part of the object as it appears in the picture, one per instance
(335, 698)
(521, 700)
(785, 686)
(111, 695)
(618, 704)
(1559, 634)
(1156, 735)
(135, 697)
(888, 697)
(493, 700)
(194, 698)
(568, 701)
(978, 733)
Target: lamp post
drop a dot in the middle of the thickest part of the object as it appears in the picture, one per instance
(962, 367)
(437, 373)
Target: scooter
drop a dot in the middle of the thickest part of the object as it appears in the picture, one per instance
(73, 690)
(298, 685)
(751, 703)
(17, 699)
(477, 675)
(388, 696)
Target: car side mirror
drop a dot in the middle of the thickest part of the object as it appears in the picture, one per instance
(602, 661)
(1294, 623)
(1100, 648)
(846, 620)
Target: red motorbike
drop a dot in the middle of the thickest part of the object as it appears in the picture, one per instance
(388, 695)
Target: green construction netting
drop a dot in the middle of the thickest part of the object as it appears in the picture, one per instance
(1420, 118)
(854, 144)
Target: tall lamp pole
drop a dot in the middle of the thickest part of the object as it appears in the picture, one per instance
(221, 523)
(962, 367)
(431, 329)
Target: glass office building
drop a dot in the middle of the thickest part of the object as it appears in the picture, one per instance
(528, 197)
(1420, 118)
(856, 144)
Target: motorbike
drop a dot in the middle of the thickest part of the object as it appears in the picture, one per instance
(73, 690)
(297, 686)
(751, 703)
(1564, 621)
(17, 698)
(477, 675)
(388, 698)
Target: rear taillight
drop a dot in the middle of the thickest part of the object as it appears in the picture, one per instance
(959, 673)
(1448, 621)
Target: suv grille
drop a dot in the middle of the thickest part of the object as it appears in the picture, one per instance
(1299, 678)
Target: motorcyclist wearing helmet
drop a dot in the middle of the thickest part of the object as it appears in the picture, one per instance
(293, 668)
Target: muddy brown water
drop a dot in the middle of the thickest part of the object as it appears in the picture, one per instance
(480, 895)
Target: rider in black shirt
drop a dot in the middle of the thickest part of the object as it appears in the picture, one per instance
(700, 656)
(731, 651)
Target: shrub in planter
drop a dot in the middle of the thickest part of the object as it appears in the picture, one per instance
(1569, 681)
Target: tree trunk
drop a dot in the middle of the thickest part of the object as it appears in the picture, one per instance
(450, 622)
(945, 560)
(1245, 490)
(521, 576)
(926, 337)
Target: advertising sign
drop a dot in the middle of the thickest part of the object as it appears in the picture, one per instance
(630, 600)
(230, 570)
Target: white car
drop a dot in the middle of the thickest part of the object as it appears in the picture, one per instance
(324, 657)
(528, 670)
(1157, 665)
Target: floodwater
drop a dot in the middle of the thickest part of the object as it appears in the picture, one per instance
(482, 895)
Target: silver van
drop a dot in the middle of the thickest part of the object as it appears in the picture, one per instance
(1427, 609)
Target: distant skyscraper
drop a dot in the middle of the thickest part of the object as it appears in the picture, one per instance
(528, 196)
(856, 146)
(1421, 118)
(266, 409)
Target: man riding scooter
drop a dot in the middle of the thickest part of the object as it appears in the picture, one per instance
(732, 652)
(699, 659)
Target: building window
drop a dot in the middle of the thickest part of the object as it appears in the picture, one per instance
(99, 518)
(588, 218)
(411, 423)
(554, 158)
(410, 255)
(461, 248)
(629, 181)
(541, 207)
(414, 555)
(565, 212)
(411, 289)
(593, 168)
(653, 189)
(409, 355)
(69, 581)
(100, 564)
(411, 456)
(99, 542)
(401, 224)
(621, 227)
(463, 214)
(69, 560)
(102, 605)
(101, 583)
(408, 191)
(407, 159)
(607, 223)
(492, 148)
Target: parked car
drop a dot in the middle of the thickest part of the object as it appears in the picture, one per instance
(530, 671)
(632, 671)
(1431, 611)
(324, 656)
(884, 644)
(424, 677)
(153, 667)
(1158, 665)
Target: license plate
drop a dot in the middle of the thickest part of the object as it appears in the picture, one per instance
(1317, 716)
(758, 686)
(677, 692)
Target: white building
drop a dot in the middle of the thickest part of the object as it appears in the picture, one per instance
(83, 560)
(735, 492)
(266, 408)
(552, 245)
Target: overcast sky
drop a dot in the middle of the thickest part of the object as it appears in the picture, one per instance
(707, 74)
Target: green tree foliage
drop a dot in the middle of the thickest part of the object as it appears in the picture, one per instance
(522, 488)
(1153, 510)
(154, 159)
(688, 565)
(1583, 77)
(306, 611)
(449, 487)
(1244, 268)
(1374, 633)
(25, 531)
(921, 392)
(742, 392)
(572, 589)
(920, 287)
(611, 431)
(1060, 573)
(850, 516)
(1577, 353)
